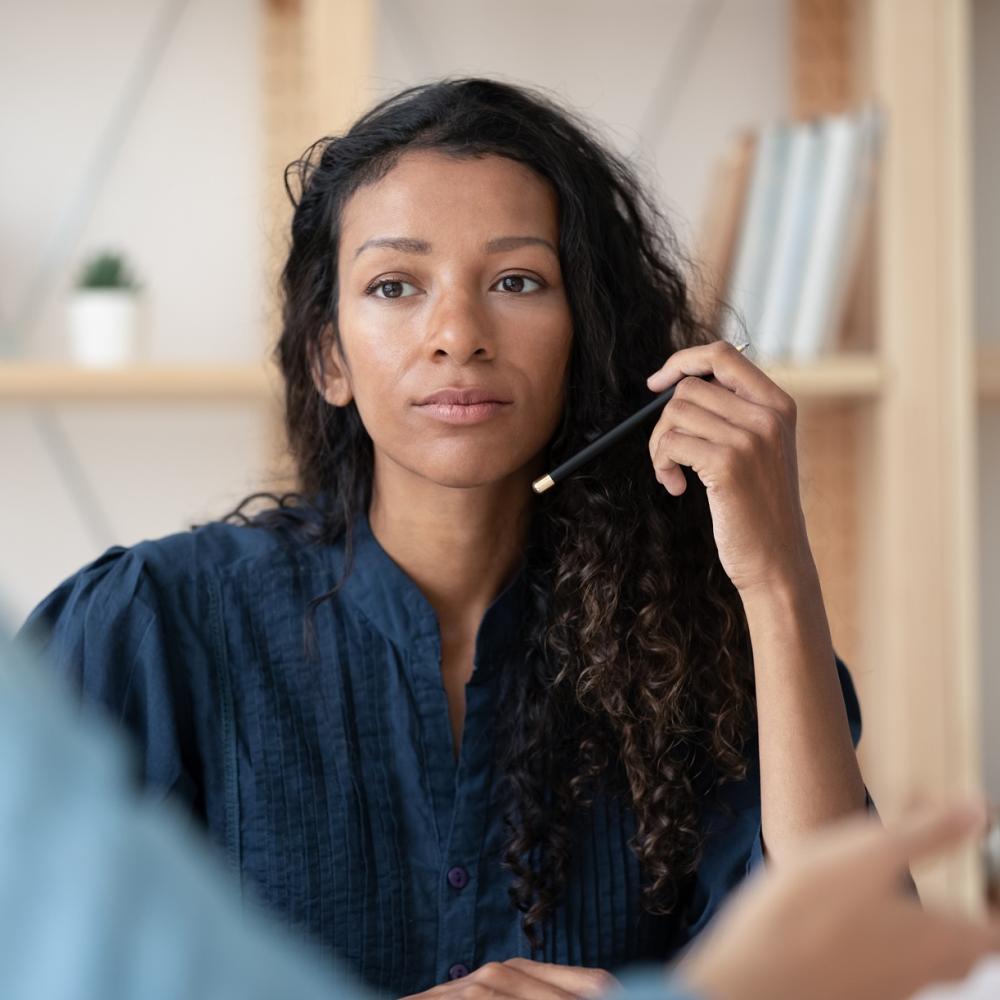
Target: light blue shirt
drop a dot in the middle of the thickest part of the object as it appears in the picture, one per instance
(107, 894)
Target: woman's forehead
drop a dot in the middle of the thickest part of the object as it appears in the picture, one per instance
(434, 191)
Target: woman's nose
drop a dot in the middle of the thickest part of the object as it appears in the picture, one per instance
(459, 328)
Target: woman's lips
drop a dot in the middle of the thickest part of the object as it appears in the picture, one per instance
(462, 413)
(470, 405)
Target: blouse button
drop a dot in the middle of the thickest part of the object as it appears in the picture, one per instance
(457, 971)
(458, 877)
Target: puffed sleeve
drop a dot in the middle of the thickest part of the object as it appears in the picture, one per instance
(104, 630)
(733, 844)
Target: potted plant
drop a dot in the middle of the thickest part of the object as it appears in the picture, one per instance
(103, 313)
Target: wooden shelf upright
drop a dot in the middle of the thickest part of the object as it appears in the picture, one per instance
(890, 483)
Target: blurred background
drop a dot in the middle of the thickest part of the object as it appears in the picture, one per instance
(143, 220)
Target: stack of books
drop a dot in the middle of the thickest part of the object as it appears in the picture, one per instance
(783, 235)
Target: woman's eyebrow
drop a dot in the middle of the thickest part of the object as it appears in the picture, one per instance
(401, 243)
(502, 243)
(407, 245)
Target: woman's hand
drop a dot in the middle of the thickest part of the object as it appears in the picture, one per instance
(522, 979)
(738, 435)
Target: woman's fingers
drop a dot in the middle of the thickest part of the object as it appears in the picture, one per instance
(523, 979)
(508, 979)
(687, 434)
(726, 404)
(692, 418)
(576, 979)
(718, 415)
(729, 368)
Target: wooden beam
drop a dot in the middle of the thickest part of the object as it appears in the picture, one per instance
(921, 551)
(318, 67)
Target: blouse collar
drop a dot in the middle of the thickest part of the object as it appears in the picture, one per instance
(396, 607)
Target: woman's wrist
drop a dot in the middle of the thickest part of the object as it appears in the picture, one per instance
(793, 583)
(786, 618)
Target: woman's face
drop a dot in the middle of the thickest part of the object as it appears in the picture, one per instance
(454, 325)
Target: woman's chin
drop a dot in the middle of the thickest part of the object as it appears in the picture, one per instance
(470, 472)
(469, 479)
(459, 465)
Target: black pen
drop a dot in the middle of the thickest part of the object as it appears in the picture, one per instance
(605, 441)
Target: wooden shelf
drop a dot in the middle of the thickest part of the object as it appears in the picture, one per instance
(53, 382)
(844, 376)
(841, 376)
(848, 376)
(29, 381)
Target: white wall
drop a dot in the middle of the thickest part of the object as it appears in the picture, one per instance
(607, 60)
(986, 111)
(181, 197)
(183, 200)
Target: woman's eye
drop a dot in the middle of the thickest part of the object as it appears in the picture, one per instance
(516, 282)
(389, 289)
(393, 288)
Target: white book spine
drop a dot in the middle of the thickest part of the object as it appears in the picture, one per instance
(744, 292)
(791, 238)
(842, 194)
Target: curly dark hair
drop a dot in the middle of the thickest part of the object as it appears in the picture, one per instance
(637, 677)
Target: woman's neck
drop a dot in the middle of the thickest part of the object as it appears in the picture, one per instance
(460, 546)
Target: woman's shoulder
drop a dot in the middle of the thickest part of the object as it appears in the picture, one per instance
(215, 549)
(221, 549)
(134, 583)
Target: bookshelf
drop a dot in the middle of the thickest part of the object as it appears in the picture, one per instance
(889, 488)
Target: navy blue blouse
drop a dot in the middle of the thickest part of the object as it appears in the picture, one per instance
(329, 780)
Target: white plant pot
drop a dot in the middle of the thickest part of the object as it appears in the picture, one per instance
(103, 327)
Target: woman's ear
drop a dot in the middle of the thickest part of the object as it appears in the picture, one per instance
(330, 372)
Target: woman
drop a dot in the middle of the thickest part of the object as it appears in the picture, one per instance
(432, 719)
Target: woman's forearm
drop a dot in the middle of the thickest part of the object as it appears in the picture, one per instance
(809, 772)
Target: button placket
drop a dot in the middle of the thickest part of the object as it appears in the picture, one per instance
(458, 951)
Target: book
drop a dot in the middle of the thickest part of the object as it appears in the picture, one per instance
(753, 248)
(793, 227)
(719, 231)
(842, 201)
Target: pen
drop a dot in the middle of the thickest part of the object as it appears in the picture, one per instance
(605, 441)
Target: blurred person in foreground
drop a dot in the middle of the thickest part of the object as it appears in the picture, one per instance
(106, 893)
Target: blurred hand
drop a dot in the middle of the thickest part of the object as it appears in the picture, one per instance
(522, 979)
(832, 921)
